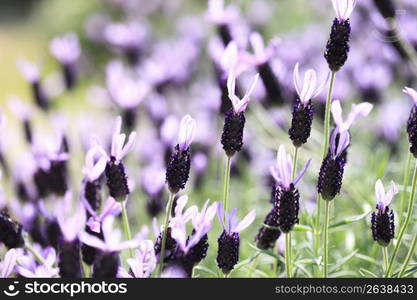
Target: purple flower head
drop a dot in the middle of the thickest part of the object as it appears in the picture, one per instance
(111, 208)
(125, 89)
(284, 167)
(239, 105)
(358, 110)
(186, 132)
(310, 89)
(217, 13)
(230, 222)
(72, 226)
(126, 35)
(412, 93)
(118, 147)
(66, 48)
(144, 261)
(112, 238)
(30, 71)
(95, 163)
(19, 107)
(29, 268)
(343, 8)
(384, 199)
(153, 179)
(9, 263)
(261, 54)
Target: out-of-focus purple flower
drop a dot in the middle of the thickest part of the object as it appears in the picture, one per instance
(66, 48)
(28, 267)
(72, 226)
(144, 262)
(219, 14)
(112, 238)
(30, 71)
(358, 110)
(23, 112)
(261, 54)
(9, 263)
(309, 89)
(343, 8)
(110, 208)
(283, 169)
(239, 105)
(129, 37)
(93, 167)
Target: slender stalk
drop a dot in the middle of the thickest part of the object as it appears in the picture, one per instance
(35, 253)
(294, 163)
(126, 226)
(408, 257)
(325, 147)
(405, 186)
(385, 256)
(326, 240)
(165, 233)
(406, 222)
(288, 266)
(226, 183)
(254, 264)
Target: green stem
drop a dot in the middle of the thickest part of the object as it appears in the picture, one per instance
(165, 233)
(294, 163)
(325, 147)
(226, 183)
(408, 257)
(326, 240)
(405, 186)
(287, 253)
(126, 226)
(406, 222)
(254, 264)
(35, 253)
(385, 256)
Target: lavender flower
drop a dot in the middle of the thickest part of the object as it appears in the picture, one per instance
(412, 121)
(31, 73)
(337, 47)
(178, 168)
(260, 59)
(382, 221)
(302, 115)
(115, 171)
(229, 240)
(10, 232)
(386, 8)
(107, 265)
(92, 170)
(144, 262)
(232, 137)
(29, 268)
(268, 235)
(332, 167)
(286, 197)
(69, 261)
(222, 16)
(66, 49)
(153, 182)
(22, 111)
(9, 263)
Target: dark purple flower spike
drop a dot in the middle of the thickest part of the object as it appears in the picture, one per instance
(412, 121)
(382, 221)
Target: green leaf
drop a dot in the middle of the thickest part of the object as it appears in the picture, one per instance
(368, 259)
(303, 228)
(349, 220)
(343, 261)
(367, 273)
(267, 252)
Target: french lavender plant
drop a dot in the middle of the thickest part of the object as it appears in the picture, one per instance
(115, 170)
(382, 221)
(66, 49)
(286, 198)
(177, 173)
(336, 54)
(412, 138)
(143, 264)
(234, 123)
(229, 240)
